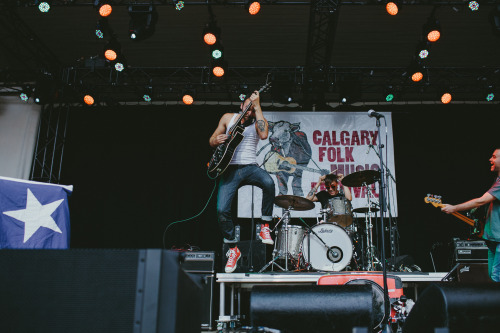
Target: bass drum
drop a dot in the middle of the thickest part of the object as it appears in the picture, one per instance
(335, 255)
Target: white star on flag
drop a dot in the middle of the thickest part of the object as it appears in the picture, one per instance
(36, 215)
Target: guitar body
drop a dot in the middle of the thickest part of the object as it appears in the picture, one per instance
(224, 154)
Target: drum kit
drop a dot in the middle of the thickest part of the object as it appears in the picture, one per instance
(333, 243)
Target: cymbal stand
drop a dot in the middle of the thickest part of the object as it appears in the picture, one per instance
(276, 255)
(370, 247)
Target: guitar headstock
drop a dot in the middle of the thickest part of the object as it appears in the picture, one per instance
(265, 87)
(434, 200)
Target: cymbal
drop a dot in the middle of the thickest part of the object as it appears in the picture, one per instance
(293, 202)
(365, 210)
(360, 178)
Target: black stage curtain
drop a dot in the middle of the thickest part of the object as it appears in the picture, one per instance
(138, 168)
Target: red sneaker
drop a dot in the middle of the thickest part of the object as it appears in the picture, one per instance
(265, 234)
(233, 256)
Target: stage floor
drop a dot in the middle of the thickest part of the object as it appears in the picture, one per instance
(235, 282)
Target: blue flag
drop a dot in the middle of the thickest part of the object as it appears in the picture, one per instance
(33, 215)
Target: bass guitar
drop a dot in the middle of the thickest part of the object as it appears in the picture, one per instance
(224, 152)
(478, 225)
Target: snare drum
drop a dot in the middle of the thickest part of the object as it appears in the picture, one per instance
(341, 211)
(295, 236)
(335, 255)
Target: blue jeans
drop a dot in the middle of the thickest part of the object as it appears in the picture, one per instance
(494, 260)
(231, 180)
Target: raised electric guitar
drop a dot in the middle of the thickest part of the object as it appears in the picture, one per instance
(276, 163)
(478, 225)
(224, 152)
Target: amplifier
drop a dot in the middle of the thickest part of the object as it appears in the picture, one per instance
(199, 262)
(467, 251)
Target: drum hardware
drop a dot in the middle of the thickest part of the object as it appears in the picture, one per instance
(288, 203)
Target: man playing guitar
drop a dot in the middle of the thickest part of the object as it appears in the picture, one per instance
(492, 227)
(243, 170)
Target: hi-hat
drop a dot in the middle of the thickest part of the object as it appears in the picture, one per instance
(293, 202)
(360, 178)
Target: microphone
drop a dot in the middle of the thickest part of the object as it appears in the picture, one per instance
(373, 114)
(368, 150)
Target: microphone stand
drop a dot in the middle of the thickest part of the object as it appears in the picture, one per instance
(392, 226)
(383, 206)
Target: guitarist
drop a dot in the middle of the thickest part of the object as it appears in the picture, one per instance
(492, 226)
(243, 170)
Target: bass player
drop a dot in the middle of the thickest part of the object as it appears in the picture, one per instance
(491, 232)
(243, 170)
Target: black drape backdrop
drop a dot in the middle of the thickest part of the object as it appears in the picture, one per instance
(137, 169)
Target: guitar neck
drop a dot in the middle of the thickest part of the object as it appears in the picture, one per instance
(462, 217)
(238, 121)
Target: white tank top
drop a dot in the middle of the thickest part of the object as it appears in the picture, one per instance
(246, 151)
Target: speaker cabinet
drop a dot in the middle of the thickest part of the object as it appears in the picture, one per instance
(87, 290)
(469, 273)
(312, 308)
(457, 307)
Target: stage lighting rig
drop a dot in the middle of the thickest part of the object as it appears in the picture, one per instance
(142, 22)
(217, 51)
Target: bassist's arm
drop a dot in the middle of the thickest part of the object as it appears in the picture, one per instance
(477, 202)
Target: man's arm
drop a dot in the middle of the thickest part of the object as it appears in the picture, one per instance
(474, 203)
(312, 193)
(347, 190)
(261, 122)
(219, 135)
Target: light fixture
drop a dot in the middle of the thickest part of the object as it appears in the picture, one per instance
(102, 28)
(446, 98)
(112, 50)
(179, 5)
(44, 6)
(219, 67)
(142, 22)
(252, 6)
(103, 7)
(392, 7)
(422, 50)
(88, 99)
(23, 97)
(187, 99)
(432, 30)
(415, 71)
(120, 63)
(211, 33)
(146, 98)
(217, 51)
(473, 5)
(490, 97)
